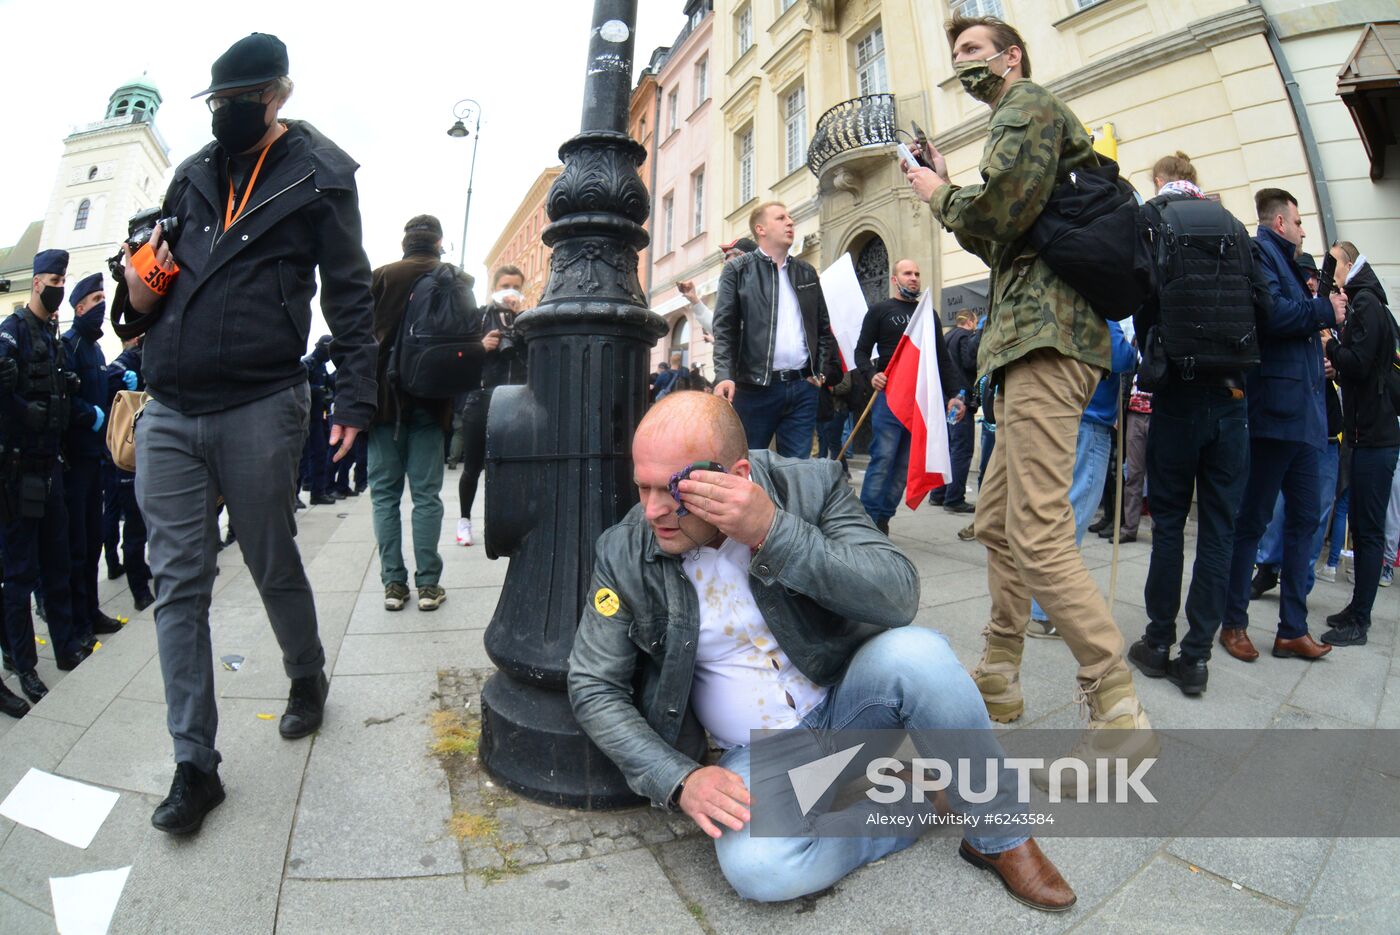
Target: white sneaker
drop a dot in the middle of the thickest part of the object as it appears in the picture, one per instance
(464, 532)
(1328, 573)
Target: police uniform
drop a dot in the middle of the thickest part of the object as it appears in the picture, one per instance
(315, 456)
(33, 518)
(85, 445)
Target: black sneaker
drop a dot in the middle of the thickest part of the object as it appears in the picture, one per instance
(1150, 660)
(193, 794)
(1349, 634)
(33, 687)
(1265, 580)
(12, 704)
(963, 507)
(1099, 524)
(306, 703)
(301, 505)
(1341, 618)
(1188, 674)
(323, 500)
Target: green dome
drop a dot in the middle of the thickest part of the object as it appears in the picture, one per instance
(138, 96)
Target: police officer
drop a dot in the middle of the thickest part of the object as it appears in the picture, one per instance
(84, 448)
(315, 457)
(33, 519)
(122, 521)
(10, 703)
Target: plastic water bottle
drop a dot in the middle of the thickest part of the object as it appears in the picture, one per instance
(953, 413)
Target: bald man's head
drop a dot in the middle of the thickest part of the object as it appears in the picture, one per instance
(906, 280)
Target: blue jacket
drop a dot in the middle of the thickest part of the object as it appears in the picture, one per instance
(1286, 398)
(18, 336)
(1103, 405)
(87, 359)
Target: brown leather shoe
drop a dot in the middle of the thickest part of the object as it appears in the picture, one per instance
(1304, 647)
(1027, 874)
(1236, 642)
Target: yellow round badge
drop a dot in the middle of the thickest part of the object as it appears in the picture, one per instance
(606, 602)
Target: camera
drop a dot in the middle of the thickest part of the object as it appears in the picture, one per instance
(509, 339)
(138, 232)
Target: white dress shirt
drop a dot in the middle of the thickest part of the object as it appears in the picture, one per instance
(743, 679)
(789, 340)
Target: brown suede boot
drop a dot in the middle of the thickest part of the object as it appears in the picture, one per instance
(1118, 731)
(998, 678)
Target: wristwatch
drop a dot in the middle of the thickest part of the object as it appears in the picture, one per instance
(675, 800)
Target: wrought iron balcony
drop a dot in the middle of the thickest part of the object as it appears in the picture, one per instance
(861, 121)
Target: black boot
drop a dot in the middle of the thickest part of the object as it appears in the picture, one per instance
(105, 625)
(1265, 580)
(115, 571)
(12, 704)
(305, 705)
(33, 687)
(1150, 660)
(143, 600)
(193, 794)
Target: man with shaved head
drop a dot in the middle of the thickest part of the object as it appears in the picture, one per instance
(753, 593)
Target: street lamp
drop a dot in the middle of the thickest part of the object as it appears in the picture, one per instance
(459, 130)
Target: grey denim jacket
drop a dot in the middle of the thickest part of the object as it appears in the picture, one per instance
(826, 580)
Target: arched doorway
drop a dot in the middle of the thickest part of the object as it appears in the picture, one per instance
(873, 269)
(680, 341)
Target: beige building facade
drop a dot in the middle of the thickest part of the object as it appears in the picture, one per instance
(519, 242)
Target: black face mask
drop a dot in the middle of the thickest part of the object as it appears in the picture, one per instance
(909, 295)
(51, 298)
(238, 125)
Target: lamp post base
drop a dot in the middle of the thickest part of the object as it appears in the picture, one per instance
(531, 744)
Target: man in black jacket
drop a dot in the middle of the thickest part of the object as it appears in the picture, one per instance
(963, 341)
(260, 210)
(1361, 359)
(773, 340)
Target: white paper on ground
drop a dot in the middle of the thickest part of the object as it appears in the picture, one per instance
(83, 905)
(64, 809)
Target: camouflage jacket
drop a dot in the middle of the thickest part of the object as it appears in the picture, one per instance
(1033, 142)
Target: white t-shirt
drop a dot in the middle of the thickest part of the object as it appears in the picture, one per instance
(743, 679)
(789, 340)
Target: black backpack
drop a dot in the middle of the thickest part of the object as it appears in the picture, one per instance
(1095, 236)
(437, 352)
(1206, 314)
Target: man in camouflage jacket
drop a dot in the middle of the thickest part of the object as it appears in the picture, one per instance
(1047, 350)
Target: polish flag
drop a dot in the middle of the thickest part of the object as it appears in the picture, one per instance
(914, 394)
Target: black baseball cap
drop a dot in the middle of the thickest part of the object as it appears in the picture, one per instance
(253, 60)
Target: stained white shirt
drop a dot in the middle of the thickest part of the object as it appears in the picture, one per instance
(743, 679)
(789, 340)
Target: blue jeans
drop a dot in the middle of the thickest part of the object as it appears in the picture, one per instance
(989, 441)
(1271, 546)
(1339, 527)
(829, 436)
(1090, 469)
(1198, 439)
(906, 678)
(788, 410)
(1372, 470)
(888, 472)
(960, 437)
(1273, 466)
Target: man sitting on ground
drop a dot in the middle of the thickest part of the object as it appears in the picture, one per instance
(795, 615)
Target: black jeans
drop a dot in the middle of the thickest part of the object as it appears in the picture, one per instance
(1371, 473)
(1198, 437)
(960, 441)
(473, 447)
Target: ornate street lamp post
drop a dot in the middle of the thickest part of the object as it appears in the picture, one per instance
(459, 130)
(558, 469)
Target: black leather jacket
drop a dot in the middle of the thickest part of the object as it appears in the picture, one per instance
(746, 312)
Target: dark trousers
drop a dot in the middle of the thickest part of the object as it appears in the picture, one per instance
(829, 436)
(473, 448)
(1273, 466)
(1372, 470)
(340, 471)
(787, 410)
(1198, 439)
(82, 494)
(122, 521)
(960, 444)
(315, 457)
(36, 554)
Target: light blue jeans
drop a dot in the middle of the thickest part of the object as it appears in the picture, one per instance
(907, 678)
(1090, 471)
(1271, 546)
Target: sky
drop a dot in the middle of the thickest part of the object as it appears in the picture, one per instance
(381, 85)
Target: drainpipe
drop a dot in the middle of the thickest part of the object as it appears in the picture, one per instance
(1300, 114)
(655, 148)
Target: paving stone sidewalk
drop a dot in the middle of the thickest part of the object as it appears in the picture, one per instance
(383, 823)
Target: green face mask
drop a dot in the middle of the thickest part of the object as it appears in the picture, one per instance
(978, 79)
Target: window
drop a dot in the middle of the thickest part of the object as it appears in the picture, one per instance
(668, 221)
(743, 28)
(92, 173)
(642, 130)
(1084, 4)
(697, 191)
(697, 16)
(871, 77)
(121, 108)
(80, 223)
(702, 81)
(990, 7)
(785, 5)
(673, 110)
(746, 166)
(795, 125)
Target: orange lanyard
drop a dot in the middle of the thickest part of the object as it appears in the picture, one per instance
(231, 215)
